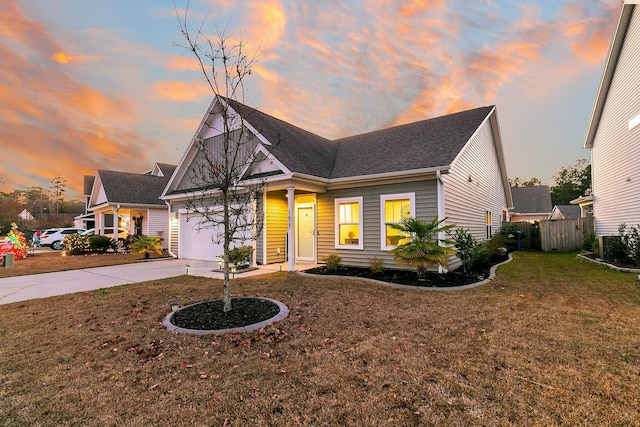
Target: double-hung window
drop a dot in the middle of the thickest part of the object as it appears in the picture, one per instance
(488, 222)
(349, 223)
(393, 209)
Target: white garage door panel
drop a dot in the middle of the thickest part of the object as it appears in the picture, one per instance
(196, 244)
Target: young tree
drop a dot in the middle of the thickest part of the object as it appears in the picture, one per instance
(223, 199)
(58, 188)
(571, 182)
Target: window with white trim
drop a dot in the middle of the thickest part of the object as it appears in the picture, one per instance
(488, 223)
(348, 212)
(393, 209)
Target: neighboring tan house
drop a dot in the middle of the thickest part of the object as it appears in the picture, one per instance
(132, 198)
(613, 134)
(531, 203)
(565, 212)
(325, 197)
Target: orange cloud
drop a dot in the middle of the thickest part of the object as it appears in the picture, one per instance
(180, 91)
(182, 63)
(415, 7)
(266, 24)
(63, 58)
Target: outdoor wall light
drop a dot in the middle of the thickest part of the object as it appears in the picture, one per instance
(174, 306)
(188, 267)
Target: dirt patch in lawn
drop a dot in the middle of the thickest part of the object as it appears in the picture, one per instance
(48, 262)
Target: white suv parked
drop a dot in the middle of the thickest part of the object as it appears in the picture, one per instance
(53, 237)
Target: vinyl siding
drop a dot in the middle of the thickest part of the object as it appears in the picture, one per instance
(616, 149)
(213, 151)
(259, 243)
(276, 224)
(158, 225)
(426, 208)
(466, 203)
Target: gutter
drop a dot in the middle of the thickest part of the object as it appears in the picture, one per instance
(169, 245)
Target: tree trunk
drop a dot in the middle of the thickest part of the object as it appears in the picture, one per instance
(227, 243)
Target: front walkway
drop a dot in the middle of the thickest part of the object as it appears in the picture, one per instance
(23, 288)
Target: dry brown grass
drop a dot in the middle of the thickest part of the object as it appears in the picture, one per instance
(552, 341)
(46, 262)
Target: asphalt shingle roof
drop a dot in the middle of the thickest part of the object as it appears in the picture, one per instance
(425, 144)
(533, 199)
(569, 211)
(133, 188)
(299, 150)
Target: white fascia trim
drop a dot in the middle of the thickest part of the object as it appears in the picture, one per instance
(196, 136)
(336, 183)
(260, 149)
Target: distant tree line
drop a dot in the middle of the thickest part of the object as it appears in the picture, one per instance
(47, 207)
(570, 181)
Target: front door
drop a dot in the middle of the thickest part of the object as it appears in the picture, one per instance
(305, 232)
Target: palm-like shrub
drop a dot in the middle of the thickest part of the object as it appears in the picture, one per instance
(147, 245)
(424, 248)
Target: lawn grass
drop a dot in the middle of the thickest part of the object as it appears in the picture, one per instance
(553, 340)
(47, 262)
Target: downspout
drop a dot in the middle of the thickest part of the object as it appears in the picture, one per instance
(441, 213)
(170, 215)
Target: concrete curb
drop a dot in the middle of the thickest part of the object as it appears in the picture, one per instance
(611, 266)
(492, 275)
(284, 312)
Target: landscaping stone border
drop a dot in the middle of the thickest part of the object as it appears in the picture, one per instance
(284, 312)
(611, 266)
(492, 275)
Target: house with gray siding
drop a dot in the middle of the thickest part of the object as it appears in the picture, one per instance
(323, 197)
(613, 134)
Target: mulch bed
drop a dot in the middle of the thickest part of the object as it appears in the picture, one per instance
(410, 277)
(208, 315)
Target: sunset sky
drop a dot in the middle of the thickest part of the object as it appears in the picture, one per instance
(103, 84)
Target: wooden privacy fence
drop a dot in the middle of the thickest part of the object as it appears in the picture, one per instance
(562, 235)
(565, 235)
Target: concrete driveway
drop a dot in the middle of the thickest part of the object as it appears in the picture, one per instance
(22, 288)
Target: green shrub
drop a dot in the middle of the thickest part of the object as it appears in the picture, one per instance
(333, 261)
(98, 243)
(376, 265)
(589, 241)
(76, 244)
(510, 234)
(469, 250)
(240, 255)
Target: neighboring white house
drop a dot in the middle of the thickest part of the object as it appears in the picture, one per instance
(326, 197)
(613, 134)
(132, 198)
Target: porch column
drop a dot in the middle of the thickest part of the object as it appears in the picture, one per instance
(99, 229)
(115, 222)
(291, 229)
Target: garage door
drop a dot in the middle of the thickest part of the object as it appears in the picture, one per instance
(197, 244)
